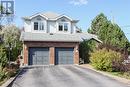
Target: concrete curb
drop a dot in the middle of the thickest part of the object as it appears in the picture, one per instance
(120, 79)
(11, 80)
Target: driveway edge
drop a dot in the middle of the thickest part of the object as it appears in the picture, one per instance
(120, 79)
(11, 80)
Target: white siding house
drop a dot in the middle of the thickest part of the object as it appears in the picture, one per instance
(50, 23)
(51, 39)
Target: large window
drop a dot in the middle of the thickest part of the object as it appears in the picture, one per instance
(63, 27)
(38, 26)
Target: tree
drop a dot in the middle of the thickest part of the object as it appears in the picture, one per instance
(110, 33)
(11, 35)
(85, 48)
(100, 22)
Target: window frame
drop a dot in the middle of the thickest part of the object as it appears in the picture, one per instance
(60, 25)
(41, 26)
(63, 26)
(34, 25)
(65, 30)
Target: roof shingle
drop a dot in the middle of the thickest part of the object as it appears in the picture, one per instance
(51, 15)
(77, 37)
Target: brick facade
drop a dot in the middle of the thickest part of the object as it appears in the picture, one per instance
(51, 46)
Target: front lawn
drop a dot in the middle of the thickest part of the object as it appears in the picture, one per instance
(121, 74)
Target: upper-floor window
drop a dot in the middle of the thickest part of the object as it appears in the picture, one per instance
(38, 25)
(63, 26)
(60, 27)
(35, 25)
(41, 26)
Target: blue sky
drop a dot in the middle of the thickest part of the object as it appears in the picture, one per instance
(83, 10)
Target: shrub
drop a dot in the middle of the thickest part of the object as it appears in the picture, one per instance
(14, 66)
(104, 59)
(3, 58)
(7, 73)
(2, 75)
(11, 73)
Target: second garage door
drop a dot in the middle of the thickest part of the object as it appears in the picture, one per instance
(38, 56)
(64, 56)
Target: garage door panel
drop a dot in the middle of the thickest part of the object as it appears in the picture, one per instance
(64, 56)
(34, 59)
(61, 53)
(46, 60)
(70, 60)
(38, 56)
(62, 60)
(39, 53)
(39, 60)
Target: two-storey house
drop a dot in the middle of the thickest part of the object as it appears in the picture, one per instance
(51, 39)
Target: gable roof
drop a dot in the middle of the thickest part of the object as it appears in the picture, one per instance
(77, 37)
(49, 16)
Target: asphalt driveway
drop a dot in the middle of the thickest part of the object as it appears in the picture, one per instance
(63, 76)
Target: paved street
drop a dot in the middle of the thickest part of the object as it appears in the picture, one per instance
(63, 76)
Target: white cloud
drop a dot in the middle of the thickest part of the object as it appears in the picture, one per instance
(78, 2)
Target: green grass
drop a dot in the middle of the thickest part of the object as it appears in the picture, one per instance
(121, 74)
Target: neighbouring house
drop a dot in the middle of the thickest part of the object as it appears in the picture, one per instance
(51, 39)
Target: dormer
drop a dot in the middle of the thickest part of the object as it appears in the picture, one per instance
(39, 24)
(63, 25)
